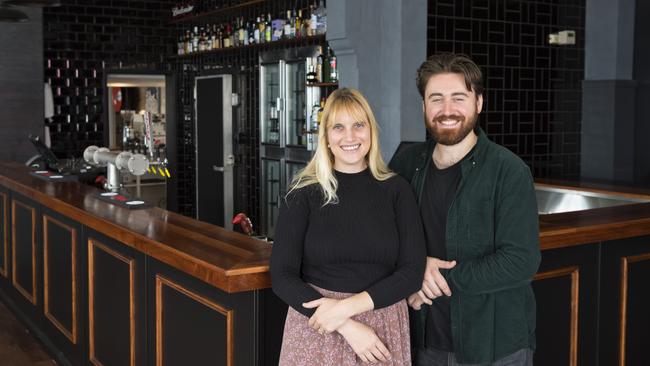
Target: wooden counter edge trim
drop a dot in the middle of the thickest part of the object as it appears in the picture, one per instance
(563, 238)
(574, 272)
(625, 261)
(226, 280)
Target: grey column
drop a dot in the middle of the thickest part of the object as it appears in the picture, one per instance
(21, 85)
(379, 44)
(608, 109)
(642, 77)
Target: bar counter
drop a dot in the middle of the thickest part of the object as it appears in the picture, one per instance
(102, 284)
(225, 259)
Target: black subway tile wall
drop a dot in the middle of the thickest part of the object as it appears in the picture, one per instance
(533, 90)
(83, 38)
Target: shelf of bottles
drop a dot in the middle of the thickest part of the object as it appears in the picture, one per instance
(214, 30)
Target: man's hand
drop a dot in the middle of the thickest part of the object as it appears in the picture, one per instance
(417, 299)
(434, 284)
(364, 342)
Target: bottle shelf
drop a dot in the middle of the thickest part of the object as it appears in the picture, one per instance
(323, 85)
(194, 17)
(282, 42)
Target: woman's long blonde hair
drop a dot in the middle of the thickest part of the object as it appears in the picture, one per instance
(320, 168)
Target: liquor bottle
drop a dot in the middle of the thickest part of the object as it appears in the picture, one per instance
(299, 24)
(268, 30)
(311, 73)
(292, 29)
(319, 67)
(234, 39)
(215, 37)
(262, 27)
(246, 34)
(334, 72)
(231, 34)
(208, 38)
(313, 21)
(251, 32)
(256, 31)
(226, 36)
(325, 71)
(195, 39)
(287, 26)
(321, 16)
(187, 43)
(181, 46)
(277, 28)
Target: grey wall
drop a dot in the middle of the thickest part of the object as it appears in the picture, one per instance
(379, 44)
(609, 41)
(642, 78)
(21, 85)
(608, 108)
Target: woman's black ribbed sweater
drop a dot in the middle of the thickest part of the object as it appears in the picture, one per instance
(371, 240)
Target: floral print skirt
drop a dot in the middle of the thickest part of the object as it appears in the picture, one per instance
(302, 345)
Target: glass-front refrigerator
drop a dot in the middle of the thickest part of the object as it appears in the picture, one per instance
(286, 125)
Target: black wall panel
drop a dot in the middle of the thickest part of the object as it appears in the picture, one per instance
(116, 303)
(533, 97)
(82, 39)
(64, 285)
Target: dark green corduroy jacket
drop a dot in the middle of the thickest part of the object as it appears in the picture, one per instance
(493, 234)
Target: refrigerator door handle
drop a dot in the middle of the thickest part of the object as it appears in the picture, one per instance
(280, 104)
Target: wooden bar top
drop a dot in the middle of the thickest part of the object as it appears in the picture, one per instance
(592, 226)
(234, 262)
(230, 261)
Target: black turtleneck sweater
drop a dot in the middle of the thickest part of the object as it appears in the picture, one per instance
(371, 240)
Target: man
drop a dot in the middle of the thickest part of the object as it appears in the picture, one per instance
(478, 206)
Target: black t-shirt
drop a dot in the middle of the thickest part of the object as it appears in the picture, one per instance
(437, 198)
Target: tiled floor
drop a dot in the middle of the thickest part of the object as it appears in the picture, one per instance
(17, 346)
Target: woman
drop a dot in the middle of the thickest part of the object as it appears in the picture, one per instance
(349, 247)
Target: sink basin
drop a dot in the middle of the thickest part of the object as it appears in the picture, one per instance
(558, 200)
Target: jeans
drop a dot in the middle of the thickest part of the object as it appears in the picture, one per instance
(432, 357)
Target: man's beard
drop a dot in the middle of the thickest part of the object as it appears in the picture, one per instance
(451, 137)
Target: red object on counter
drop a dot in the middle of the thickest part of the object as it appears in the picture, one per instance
(244, 222)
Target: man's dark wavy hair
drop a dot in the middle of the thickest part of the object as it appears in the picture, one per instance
(450, 63)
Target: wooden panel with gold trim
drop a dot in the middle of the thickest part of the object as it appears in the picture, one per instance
(204, 337)
(4, 236)
(563, 310)
(634, 304)
(60, 287)
(111, 306)
(24, 250)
